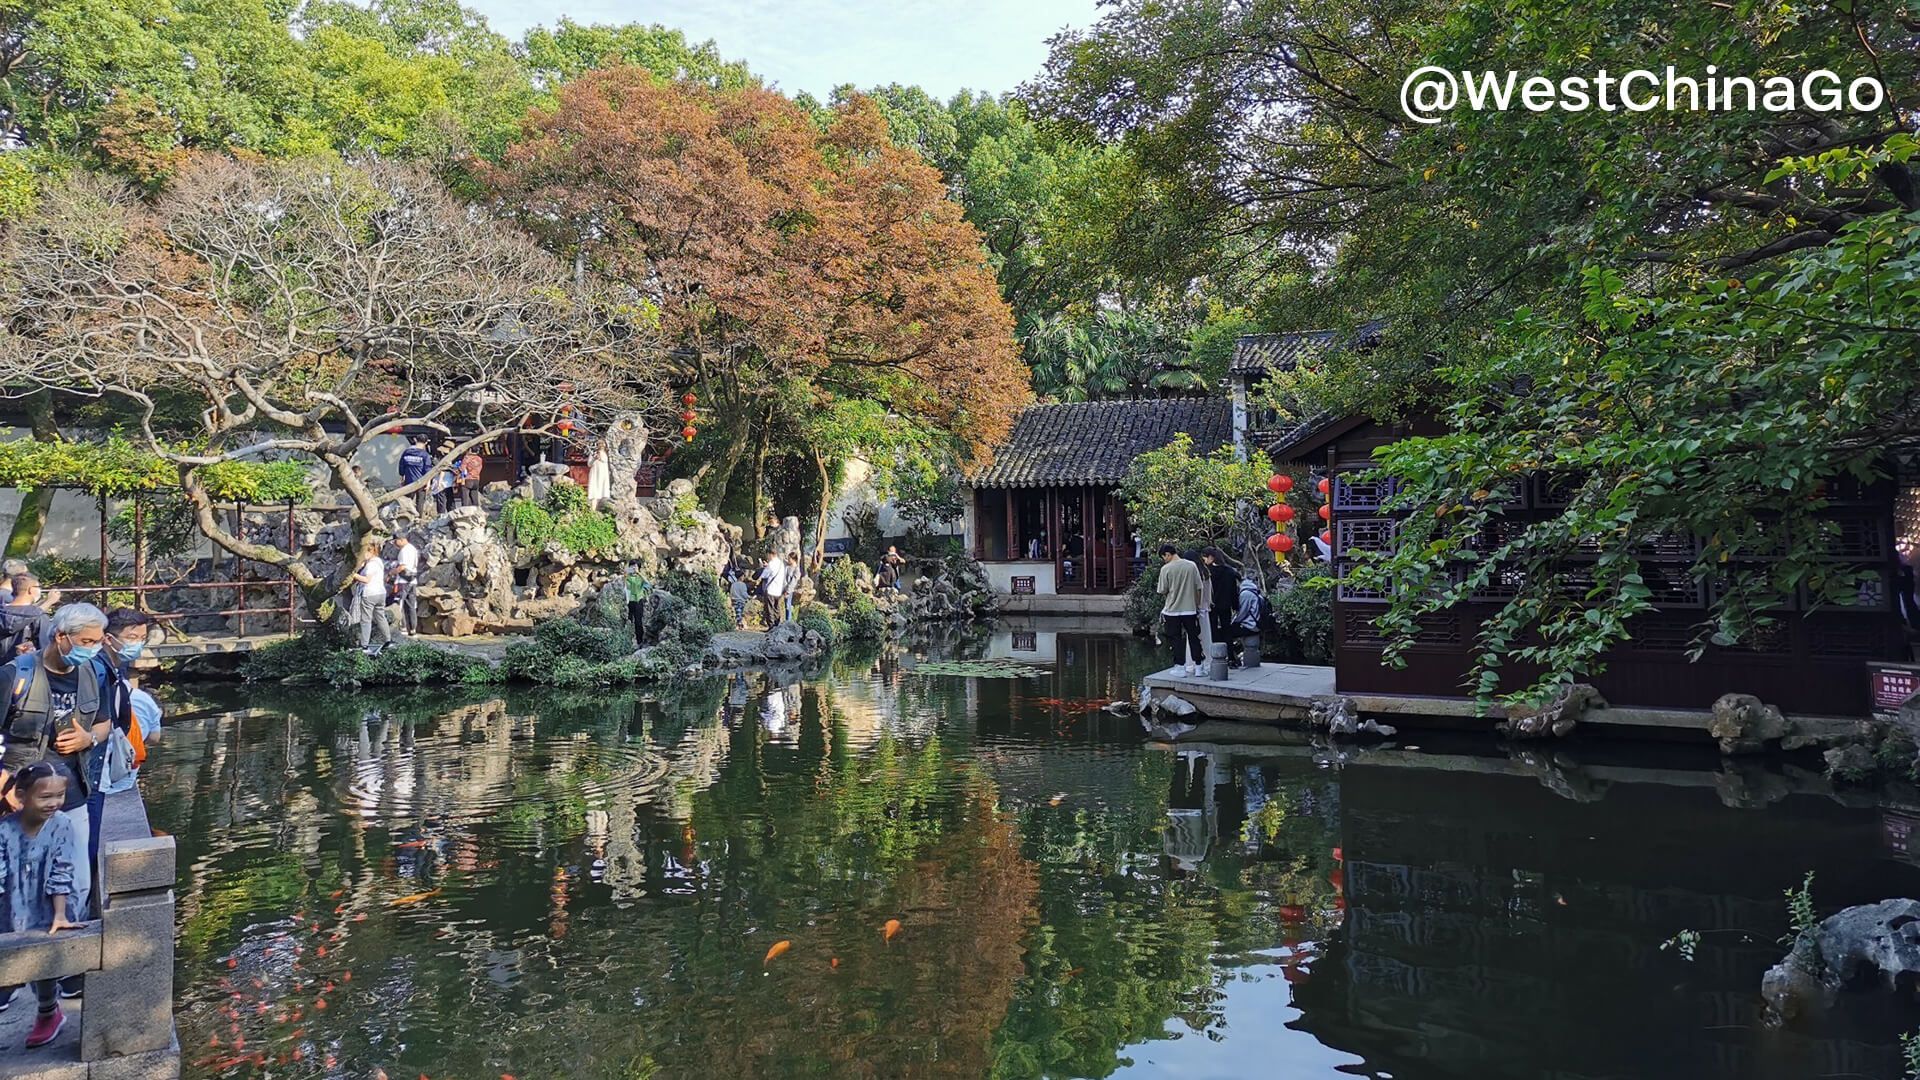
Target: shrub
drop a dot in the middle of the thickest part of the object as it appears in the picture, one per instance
(308, 659)
(862, 619)
(559, 649)
(701, 592)
(1305, 615)
(1142, 609)
(840, 581)
(818, 618)
(563, 518)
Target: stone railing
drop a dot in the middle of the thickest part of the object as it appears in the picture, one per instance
(125, 1028)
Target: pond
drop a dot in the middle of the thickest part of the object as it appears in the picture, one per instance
(881, 872)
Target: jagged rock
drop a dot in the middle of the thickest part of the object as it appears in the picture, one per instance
(1175, 705)
(1744, 724)
(1335, 713)
(1850, 946)
(1850, 764)
(1557, 718)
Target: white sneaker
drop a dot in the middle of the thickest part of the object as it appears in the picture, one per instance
(1192, 670)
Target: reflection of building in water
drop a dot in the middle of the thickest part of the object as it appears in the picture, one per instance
(1495, 930)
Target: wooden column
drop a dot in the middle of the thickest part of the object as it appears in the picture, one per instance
(1013, 544)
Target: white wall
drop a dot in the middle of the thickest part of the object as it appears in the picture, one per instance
(1045, 650)
(1001, 575)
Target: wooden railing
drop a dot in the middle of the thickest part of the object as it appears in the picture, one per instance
(126, 1022)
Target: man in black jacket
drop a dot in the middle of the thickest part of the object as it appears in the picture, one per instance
(1224, 585)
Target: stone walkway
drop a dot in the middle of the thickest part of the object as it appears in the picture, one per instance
(57, 1060)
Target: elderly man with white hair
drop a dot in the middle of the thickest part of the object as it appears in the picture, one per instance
(63, 702)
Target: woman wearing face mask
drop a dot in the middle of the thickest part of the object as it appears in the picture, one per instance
(127, 632)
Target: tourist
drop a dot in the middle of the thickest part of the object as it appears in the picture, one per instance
(796, 570)
(415, 463)
(66, 700)
(638, 590)
(406, 584)
(24, 621)
(1247, 621)
(892, 568)
(10, 569)
(127, 632)
(445, 482)
(739, 592)
(1225, 587)
(773, 586)
(470, 465)
(1204, 617)
(41, 852)
(370, 590)
(1180, 591)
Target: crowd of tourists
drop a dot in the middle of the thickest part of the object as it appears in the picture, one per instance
(1204, 601)
(76, 728)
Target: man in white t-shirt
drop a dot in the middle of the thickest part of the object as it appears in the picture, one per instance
(406, 578)
(370, 585)
(773, 586)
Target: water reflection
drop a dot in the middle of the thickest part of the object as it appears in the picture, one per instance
(589, 885)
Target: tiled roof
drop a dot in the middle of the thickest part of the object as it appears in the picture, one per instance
(1093, 442)
(1283, 352)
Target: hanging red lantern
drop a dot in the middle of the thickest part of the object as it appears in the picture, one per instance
(1282, 512)
(1325, 486)
(1279, 484)
(1325, 514)
(689, 432)
(1286, 543)
(688, 416)
(689, 399)
(1274, 542)
(1327, 538)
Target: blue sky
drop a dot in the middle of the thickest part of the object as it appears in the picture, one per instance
(814, 45)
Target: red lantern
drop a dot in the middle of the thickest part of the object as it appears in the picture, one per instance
(688, 416)
(1326, 538)
(1286, 543)
(1325, 486)
(1280, 484)
(1282, 512)
(689, 432)
(688, 400)
(1325, 514)
(1274, 542)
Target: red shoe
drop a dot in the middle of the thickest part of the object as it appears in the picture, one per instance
(46, 1028)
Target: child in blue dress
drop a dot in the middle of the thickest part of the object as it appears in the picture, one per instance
(38, 848)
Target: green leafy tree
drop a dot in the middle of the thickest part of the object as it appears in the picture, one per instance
(1175, 495)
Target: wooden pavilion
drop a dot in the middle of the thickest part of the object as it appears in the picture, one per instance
(1046, 517)
(1813, 662)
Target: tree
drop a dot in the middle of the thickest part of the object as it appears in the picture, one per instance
(1731, 412)
(572, 49)
(774, 250)
(310, 306)
(1110, 354)
(1269, 137)
(1174, 495)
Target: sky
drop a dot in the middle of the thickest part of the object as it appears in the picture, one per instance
(815, 45)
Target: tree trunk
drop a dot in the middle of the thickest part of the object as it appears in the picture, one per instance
(760, 484)
(723, 471)
(826, 506)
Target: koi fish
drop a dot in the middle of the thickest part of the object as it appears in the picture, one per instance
(833, 962)
(892, 928)
(416, 897)
(778, 948)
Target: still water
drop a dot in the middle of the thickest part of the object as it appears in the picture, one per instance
(873, 872)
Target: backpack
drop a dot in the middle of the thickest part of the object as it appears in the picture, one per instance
(14, 630)
(1267, 623)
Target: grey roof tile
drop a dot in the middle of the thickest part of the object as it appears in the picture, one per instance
(1093, 442)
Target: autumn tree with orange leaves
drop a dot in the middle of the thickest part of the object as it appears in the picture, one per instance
(778, 252)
